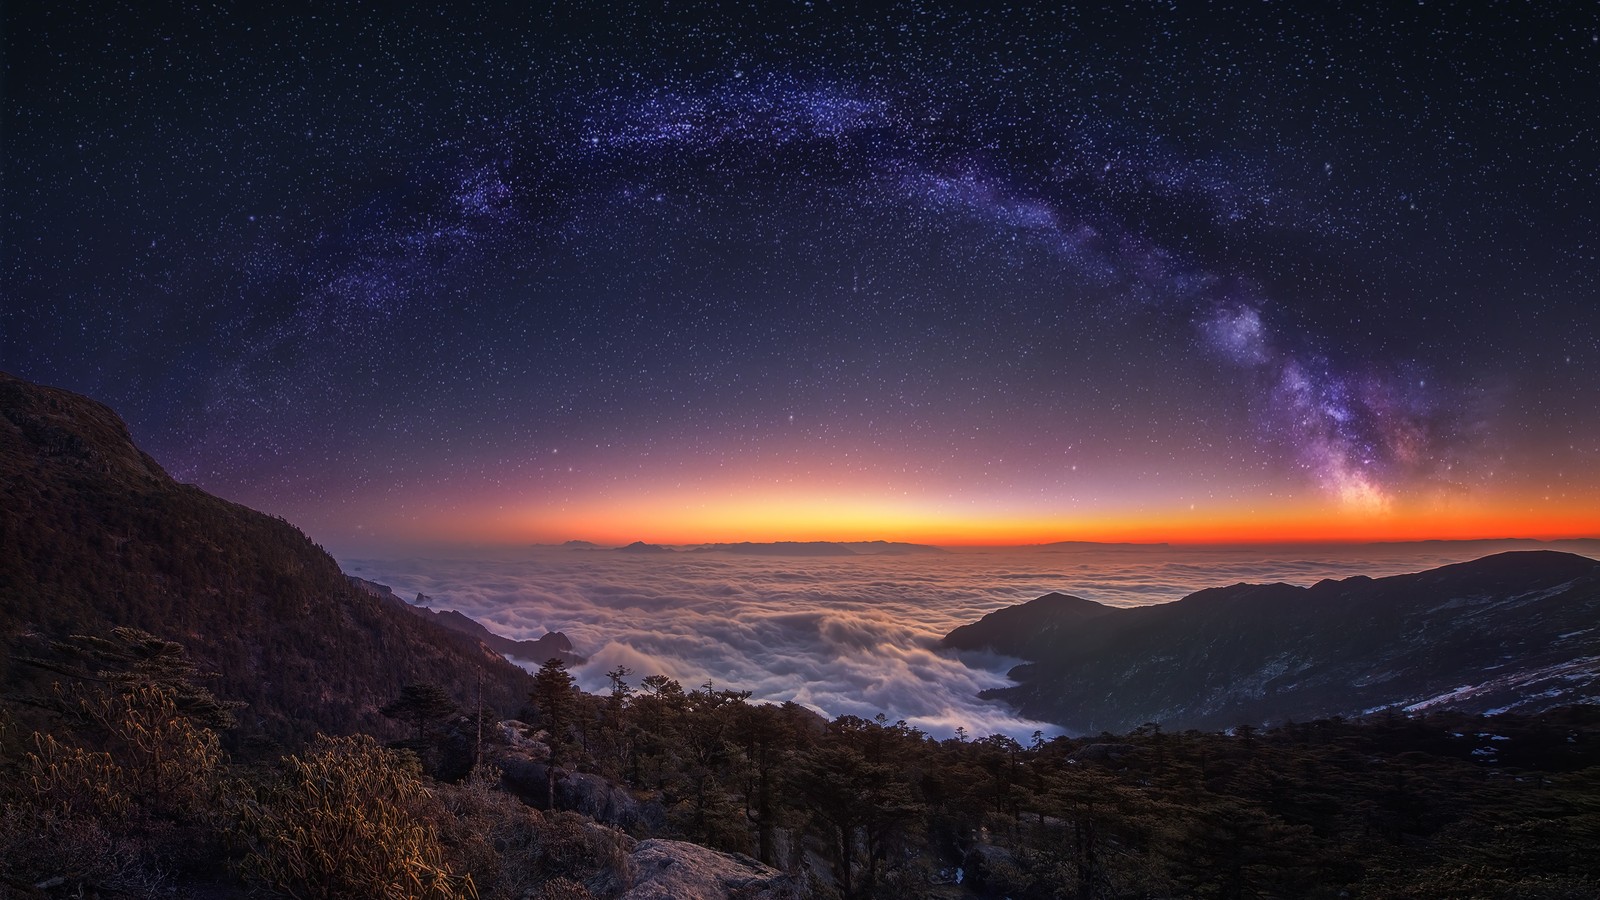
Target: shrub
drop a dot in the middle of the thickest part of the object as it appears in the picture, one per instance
(117, 802)
(349, 819)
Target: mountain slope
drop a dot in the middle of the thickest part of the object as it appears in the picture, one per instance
(554, 644)
(1514, 630)
(1029, 629)
(94, 534)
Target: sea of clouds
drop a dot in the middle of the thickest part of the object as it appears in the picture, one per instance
(841, 635)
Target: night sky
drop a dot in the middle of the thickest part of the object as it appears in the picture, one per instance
(786, 271)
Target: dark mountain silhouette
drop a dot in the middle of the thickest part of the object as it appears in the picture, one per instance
(642, 547)
(1099, 545)
(1571, 545)
(94, 534)
(819, 548)
(1028, 630)
(1515, 631)
(891, 548)
(554, 644)
(779, 548)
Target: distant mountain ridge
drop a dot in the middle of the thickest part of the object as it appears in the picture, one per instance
(554, 644)
(780, 548)
(1100, 545)
(819, 548)
(1514, 631)
(642, 547)
(94, 534)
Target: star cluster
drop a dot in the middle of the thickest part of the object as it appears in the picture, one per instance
(781, 271)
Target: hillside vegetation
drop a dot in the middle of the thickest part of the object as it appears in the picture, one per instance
(94, 535)
(127, 790)
(197, 703)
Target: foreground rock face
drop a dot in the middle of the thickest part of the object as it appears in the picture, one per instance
(675, 870)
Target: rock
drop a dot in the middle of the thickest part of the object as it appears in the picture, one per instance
(609, 803)
(676, 870)
(524, 776)
(519, 737)
(990, 870)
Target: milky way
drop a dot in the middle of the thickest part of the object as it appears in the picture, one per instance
(553, 274)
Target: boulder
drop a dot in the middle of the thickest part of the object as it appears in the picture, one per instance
(524, 777)
(676, 870)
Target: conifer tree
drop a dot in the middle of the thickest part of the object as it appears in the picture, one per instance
(423, 704)
(555, 697)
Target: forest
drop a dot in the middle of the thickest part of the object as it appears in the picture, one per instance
(116, 783)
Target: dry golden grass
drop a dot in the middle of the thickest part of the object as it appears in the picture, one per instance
(349, 818)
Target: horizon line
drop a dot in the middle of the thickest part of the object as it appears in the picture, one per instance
(977, 545)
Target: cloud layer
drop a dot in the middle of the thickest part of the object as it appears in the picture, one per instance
(853, 635)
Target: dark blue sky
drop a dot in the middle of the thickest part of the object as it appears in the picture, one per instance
(598, 270)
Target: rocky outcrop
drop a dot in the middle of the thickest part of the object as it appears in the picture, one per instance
(675, 870)
(524, 772)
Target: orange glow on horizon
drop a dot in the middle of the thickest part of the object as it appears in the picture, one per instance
(696, 518)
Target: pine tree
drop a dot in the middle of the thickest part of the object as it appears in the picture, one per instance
(555, 697)
(423, 704)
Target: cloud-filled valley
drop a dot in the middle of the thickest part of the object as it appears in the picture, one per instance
(851, 635)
